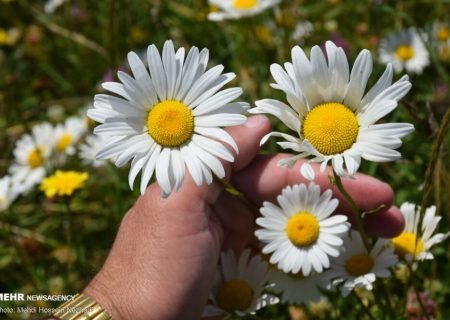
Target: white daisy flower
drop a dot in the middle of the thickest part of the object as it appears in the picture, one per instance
(239, 285)
(300, 233)
(441, 32)
(8, 192)
(405, 50)
(405, 244)
(441, 39)
(89, 149)
(236, 9)
(354, 268)
(68, 134)
(32, 153)
(333, 119)
(296, 288)
(169, 119)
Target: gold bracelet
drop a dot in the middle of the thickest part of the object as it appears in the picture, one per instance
(81, 307)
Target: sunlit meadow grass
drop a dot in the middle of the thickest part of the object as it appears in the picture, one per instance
(52, 65)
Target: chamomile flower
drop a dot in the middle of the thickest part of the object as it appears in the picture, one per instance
(300, 234)
(405, 50)
(355, 268)
(239, 285)
(333, 119)
(406, 245)
(32, 153)
(296, 288)
(236, 9)
(441, 32)
(170, 119)
(8, 192)
(90, 148)
(441, 39)
(63, 183)
(68, 134)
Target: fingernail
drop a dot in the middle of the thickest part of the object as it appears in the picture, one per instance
(255, 121)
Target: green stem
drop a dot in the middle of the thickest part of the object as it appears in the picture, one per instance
(67, 227)
(428, 187)
(365, 308)
(235, 192)
(356, 211)
(428, 183)
(25, 233)
(385, 293)
(359, 222)
(419, 298)
(44, 20)
(30, 268)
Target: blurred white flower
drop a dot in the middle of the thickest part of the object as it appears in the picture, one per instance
(51, 5)
(68, 134)
(355, 268)
(296, 288)
(441, 39)
(32, 153)
(405, 50)
(238, 286)
(89, 149)
(407, 245)
(441, 32)
(8, 192)
(302, 30)
(236, 9)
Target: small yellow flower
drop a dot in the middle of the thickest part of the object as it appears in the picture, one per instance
(63, 183)
(3, 37)
(138, 34)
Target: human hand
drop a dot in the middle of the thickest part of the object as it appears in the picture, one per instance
(163, 260)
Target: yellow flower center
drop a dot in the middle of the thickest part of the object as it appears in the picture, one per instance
(3, 37)
(406, 243)
(35, 158)
(359, 264)
(443, 33)
(331, 128)
(404, 52)
(63, 183)
(170, 123)
(263, 33)
(244, 4)
(302, 229)
(234, 295)
(2, 200)
(444, 52)
(63, 142)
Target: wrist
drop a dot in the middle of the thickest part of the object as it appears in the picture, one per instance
(104, 296)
